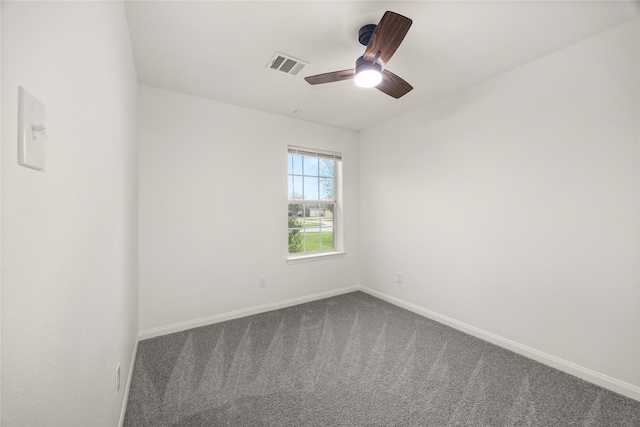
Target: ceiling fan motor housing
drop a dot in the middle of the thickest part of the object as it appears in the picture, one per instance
(368, 73)
(365, 33)
(362, 64)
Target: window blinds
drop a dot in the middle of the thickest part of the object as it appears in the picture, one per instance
(301, 151)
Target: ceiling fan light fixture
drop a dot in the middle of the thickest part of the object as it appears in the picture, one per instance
(381, 42)
(368, 78)
(368, 74)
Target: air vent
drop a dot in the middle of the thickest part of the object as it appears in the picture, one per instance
(286, 64)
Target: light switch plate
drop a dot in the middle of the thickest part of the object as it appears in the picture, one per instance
(30, 131)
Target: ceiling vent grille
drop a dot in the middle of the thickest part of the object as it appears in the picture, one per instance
(286, 64)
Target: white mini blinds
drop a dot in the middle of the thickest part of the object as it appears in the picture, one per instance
(315, 153)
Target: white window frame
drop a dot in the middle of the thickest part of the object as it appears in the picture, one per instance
(338, 229)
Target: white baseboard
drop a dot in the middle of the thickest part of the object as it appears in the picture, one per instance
(128, 387)
(209, 320)
(581, 372)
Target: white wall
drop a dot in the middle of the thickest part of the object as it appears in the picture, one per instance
(512, 206)
(0, 219)
(213, 208)
(69, 234)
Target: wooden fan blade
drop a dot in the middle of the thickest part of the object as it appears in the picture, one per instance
(393, 85)
(387, 36)
(335, 76)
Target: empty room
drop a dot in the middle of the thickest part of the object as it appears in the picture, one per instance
(320, 213)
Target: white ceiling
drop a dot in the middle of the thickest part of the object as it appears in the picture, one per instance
(219, 49)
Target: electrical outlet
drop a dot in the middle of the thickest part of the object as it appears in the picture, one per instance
(262, 282)
(399, 278)
(118, 378)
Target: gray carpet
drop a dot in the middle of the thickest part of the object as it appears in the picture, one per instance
(354, 360)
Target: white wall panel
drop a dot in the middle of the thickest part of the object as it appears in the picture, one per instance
(512, 206)
(213, 209)
(69, 234)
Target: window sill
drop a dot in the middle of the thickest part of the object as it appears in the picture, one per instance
(314, 257)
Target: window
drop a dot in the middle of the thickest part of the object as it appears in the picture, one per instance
(313, 211)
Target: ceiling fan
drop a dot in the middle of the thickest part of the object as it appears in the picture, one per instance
(382, 41)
